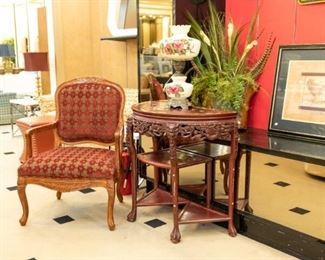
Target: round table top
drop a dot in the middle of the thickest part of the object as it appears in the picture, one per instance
(161, 110)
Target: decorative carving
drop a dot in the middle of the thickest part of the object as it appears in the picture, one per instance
(194, 130)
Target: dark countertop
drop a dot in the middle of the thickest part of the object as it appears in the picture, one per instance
(291, 147)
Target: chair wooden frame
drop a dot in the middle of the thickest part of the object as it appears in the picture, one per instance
(74, 184)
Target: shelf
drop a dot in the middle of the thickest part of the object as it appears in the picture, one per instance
(195, 213)
(197, 189)
(158, 197)
(118, 38)
(213, 150)
(161, 159)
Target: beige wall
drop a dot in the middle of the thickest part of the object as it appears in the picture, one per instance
(78, 28)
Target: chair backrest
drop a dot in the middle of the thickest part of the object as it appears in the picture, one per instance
(156, 89)
(89, 109)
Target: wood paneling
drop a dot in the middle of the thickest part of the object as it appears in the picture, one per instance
(43, 46)
(79, 26)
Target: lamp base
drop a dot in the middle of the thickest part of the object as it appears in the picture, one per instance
(38, 86)
(182, 103)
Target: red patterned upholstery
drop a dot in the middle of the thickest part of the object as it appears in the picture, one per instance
(88, 111)
(156, 89)
(71, 162)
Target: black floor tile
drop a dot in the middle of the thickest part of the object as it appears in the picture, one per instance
(33, 258)
(5, 132)
(155, 223)
(282, 183)
(63, 219)
(300, 211)
(87, 190)
(271, 164)
(7, 153)
(12, 188)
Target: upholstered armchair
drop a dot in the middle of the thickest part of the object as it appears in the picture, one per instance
(88, 110)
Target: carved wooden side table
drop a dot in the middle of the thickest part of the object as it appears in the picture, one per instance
(155, 119)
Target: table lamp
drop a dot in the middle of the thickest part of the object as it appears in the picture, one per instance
(36, 61)
(179, 48)
(7, 51)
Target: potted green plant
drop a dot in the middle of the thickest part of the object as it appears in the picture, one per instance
(225, 75)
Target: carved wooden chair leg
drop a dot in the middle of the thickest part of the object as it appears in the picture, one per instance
(110, 207)
(118, 191)
(21, 188)
(58, 195)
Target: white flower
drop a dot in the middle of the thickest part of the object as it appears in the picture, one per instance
(230, 29)
(205, 38)
(251, 45)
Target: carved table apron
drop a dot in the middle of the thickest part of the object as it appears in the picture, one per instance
(155, 119)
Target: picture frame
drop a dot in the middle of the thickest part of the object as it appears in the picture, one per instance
(308, 2)
(298, 102)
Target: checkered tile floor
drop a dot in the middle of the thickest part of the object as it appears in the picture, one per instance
(75, 227)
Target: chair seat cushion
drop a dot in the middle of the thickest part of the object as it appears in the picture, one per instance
(71, 162)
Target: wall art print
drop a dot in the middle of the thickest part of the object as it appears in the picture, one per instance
(298, 105)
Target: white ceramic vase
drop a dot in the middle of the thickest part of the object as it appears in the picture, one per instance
(178, 91)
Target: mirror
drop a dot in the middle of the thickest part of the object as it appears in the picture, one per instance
(121, 18)
(21, 33)
(21, 28)
(155, 18)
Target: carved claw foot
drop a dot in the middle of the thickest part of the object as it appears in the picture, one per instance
(132, 216)
(175, 236)
(23, 220)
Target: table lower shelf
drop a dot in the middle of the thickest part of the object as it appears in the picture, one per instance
(191, 213)
(195, 213)
(158, 197)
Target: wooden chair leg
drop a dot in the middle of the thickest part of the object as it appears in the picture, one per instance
(118, 191)
(58, 195)
(110, 207)
(21, 188)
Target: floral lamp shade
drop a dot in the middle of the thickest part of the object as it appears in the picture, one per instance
(180, 46)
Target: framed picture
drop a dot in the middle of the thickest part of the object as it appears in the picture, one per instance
(307, 2)
(298, 103)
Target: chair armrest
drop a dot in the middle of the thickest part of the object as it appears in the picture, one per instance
(40, 139)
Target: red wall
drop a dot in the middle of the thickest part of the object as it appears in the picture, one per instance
(290, 23)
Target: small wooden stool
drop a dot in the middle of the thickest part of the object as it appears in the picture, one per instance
(41, 141)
